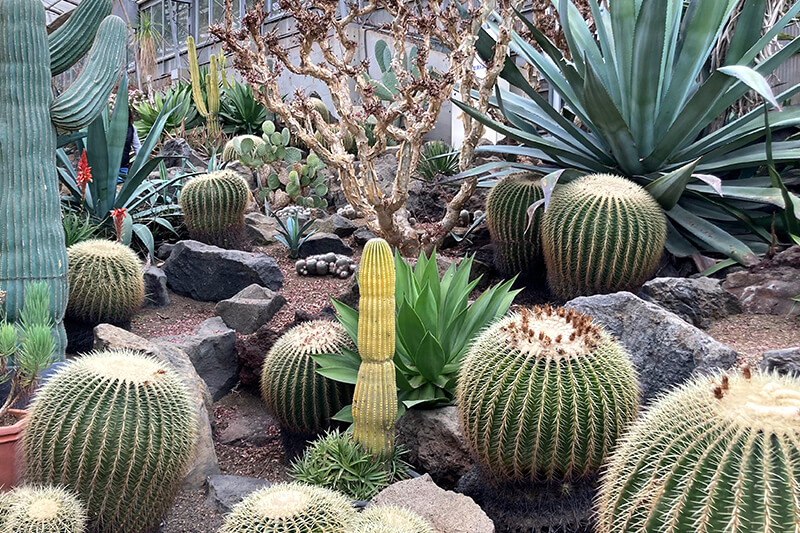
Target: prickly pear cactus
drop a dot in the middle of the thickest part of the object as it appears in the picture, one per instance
(43, 510)
(32, 239)
(720, 453)
(544, 394)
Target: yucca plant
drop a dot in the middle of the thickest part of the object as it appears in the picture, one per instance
(435, 326)
(644, 96)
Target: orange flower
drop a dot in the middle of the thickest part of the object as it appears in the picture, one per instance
(84, 174)
(119, 215)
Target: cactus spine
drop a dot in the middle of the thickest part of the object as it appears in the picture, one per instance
(290, 508)
(389, 519)
(544, 394)
(33, 241)
(211, 111)
(601, 234)
(43, 510)
(302, 400)
(213, 208)
(375, 397)
(118, 428)
(720, 453)
(106, 283)
(517, 243)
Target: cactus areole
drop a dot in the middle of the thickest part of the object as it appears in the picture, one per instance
(32, 240)
(375, 398)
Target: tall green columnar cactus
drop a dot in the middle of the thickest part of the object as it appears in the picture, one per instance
(517, 243)
(719, 454)
(544, 394)
(375, 397)
(31, 237)
(213, 208)
(118, 428)
(601, 234)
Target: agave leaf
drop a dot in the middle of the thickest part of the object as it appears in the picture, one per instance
(752, 79)
(668, 189)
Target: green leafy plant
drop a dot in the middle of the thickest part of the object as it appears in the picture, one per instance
(293, 233)
(183, 114)
(77, 228)
(437, 159)
(337, 461)
(239, 111)
(104, 143)
(27, 346)
(645, 97)
(435, 325)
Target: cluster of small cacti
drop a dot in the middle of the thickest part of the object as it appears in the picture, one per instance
(213, 208)
(389, 519)
(106, 283)
(720, 453)
(348, 212)
(544, 394)
(118, 428)
(601, 234)
(302, 400)
(29, 113)
(337, 265)
(207, 107)
(375, 397)
(291, 508)
(517, 240)
(41, 510)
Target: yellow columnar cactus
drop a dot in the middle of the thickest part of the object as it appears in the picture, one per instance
(375, 399)
(210, 111)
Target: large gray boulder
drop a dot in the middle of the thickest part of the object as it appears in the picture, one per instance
(155, 288)
(323, 243)
(786, 361)
(336, 224)
(665, 349)
(260, 229)
(769, 288)
(209, 273)
(447, 511)
(250, 308)
(212, 350)
(435, 443)
(223, 492)
(204, 464)
(698, 301)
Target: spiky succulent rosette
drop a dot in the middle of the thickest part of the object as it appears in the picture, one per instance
(290, 508)
(302, 400)
(389, 519)
(720, 453)
(42, 510)
(544, 394)
(118, 428)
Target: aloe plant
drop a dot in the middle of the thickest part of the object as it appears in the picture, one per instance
(644, 95)
(293, 233)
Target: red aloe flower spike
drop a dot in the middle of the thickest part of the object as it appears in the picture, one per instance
(118, 215)
(84, 174)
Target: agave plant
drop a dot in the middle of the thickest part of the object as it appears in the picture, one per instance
(239, 111)
(435, 325)
(293, 233)
(183, 112)
(643, 95)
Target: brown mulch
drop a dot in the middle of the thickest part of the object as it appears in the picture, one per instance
(179, 318)
(752, 335)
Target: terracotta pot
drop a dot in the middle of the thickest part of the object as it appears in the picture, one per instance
(10, 459)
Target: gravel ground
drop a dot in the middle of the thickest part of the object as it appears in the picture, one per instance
(752, 335)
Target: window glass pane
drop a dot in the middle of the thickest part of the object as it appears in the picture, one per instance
(182, 11)
(158, 21)
(202, 20)
(169, 45)
(218, 11)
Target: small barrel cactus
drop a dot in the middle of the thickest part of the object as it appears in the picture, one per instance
(302, 400)
(389, 519)
(118, 428)
(290, 508)
(720, 453)
(544, 394)
(601, 234)
(375, 397)
(517, 242)
(213, 208)
(337, 265)
(106, 283)
(43, 510)
(235, 150)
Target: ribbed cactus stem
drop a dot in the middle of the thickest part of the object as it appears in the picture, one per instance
(213, 208)
(212, 94)
(194, 73)
(72, 40)
(375, 398)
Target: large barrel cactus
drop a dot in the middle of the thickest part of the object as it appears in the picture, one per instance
(213, 208)
(601, 234)
(302, 400)
(389, 519)
(375, 397)
(32, 239)
(118, 428)
(720, 453)
(43, 510)
(517, 241)
(290, 508)
(106, 283)
(544, 394)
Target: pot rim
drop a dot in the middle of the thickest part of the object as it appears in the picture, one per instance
(16, 427)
